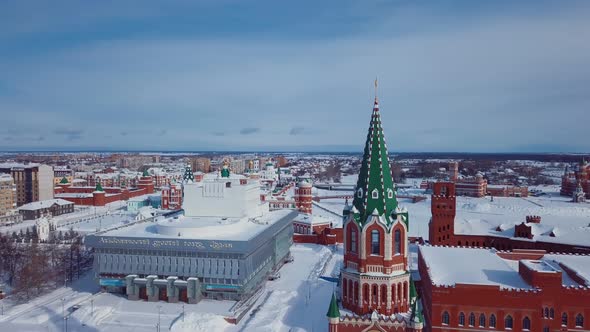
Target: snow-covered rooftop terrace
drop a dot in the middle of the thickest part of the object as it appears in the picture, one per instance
(205, 228)
(449, 266)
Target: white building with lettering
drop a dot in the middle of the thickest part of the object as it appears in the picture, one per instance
(223, 245)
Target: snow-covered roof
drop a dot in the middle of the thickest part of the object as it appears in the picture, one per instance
(449, 266)
(580, 264)
(543, 232)
(205, 228)
(44, 204)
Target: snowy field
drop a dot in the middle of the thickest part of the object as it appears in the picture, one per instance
(300, 292)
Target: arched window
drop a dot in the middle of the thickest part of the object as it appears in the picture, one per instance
(445, 318)
(546, 313)
(472, 319)
(546, 329)
(375, 194)
(579, 320)
(375, 246)
(375, 294)
(383, 294)
(359, 193)
(366, 293)
(461, 319)
(551, 313)
(526, 323)
(564, 319)
(508, 322)
(397, 242)
(482, 320)
(389, 193)
(493, 320)
(356, 292)
(353, 240)
(345, 288)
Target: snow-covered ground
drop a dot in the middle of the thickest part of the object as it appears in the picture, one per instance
(555, 210)
(297, 301)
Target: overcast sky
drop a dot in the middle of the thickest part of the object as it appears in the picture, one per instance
(475, 76)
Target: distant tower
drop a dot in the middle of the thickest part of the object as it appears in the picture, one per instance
(579, 195)
(188, 176)
(441, 228)
(453, 171)
(303, 198)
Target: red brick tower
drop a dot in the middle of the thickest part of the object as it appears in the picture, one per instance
(441, 228)
(147, 182)
(375, 279)
(303, 198)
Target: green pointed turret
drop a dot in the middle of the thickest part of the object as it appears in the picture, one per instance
(145, 173)
(417, 316)
(375, 189)
(333, 311)
(413, 293)
(98, 187)
(64, 180)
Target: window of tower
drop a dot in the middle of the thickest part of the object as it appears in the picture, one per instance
(398, 242)
(375, 245)
(375, 193)
(352, 240)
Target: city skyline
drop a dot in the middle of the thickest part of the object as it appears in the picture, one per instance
(453, 76)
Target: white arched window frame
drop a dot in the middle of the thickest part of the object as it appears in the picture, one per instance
(375, 193)
(389, 193)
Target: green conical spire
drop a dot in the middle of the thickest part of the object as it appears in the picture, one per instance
(64, 180)
(98, 187)
(413, 293)
(375, 189)
(145, 173)
(417, 316)
(333, 311)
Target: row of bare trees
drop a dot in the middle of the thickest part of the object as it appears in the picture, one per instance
(31, 268)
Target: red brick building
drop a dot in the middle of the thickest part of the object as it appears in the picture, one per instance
(475, 186)
(375, 282)
(99, 196)
(172, 197)
(468, 289)
(530, 234)
(571, 179)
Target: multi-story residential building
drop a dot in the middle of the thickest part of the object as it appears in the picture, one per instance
(238, 166)
(60, 172)
(7, 191)
(201, 164)
(33, 182)
(475, 186)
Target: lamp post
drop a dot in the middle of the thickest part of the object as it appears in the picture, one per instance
(159, 310)
(91, 307)
(63, 311)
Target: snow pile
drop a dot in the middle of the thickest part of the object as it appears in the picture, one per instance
(200, 322)
(477, 207)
